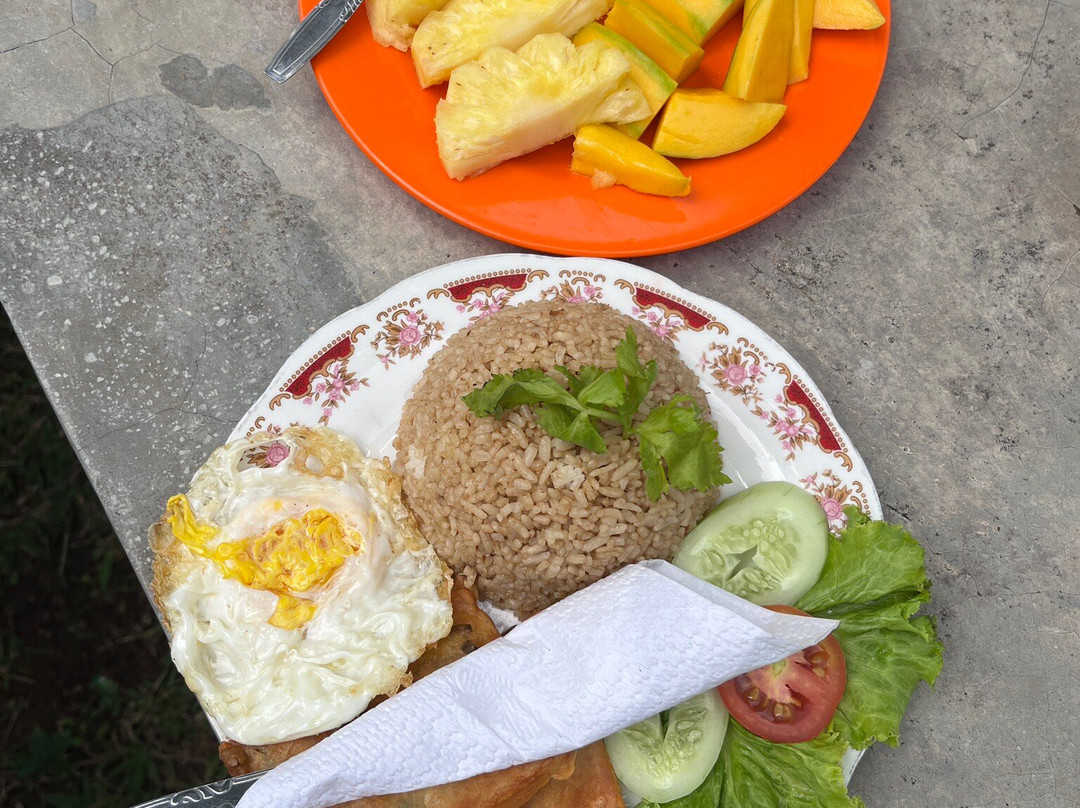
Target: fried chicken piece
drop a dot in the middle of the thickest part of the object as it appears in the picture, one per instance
(243, 759)
(592, 785)
(509, 788)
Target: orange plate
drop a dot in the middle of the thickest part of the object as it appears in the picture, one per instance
(535, 202)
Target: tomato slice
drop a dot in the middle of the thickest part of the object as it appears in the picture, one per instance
(791, 700)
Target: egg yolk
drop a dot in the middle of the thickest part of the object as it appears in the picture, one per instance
(292, 556)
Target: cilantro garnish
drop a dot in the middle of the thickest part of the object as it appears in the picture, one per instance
(677, 444)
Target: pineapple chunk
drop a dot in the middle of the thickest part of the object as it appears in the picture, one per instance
(506, 104)
(464, 29)
(654, 82)
(393, 22)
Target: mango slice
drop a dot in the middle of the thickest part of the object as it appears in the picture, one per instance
(708, 123)
(847, 15)
(605, 153)
(654, 82)
(799, 67)
(698, 19)
(760, 65)
(674, 51)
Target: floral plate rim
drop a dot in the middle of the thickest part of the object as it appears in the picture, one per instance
(392, 331)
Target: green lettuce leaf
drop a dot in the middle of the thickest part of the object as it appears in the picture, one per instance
(761, 774)
(874, 582)
(871, 561)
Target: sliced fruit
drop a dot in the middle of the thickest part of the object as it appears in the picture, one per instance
(505, 104)
(759, 66)
(654, 82)
(698, 19)
(393, 22)
(799, 66)
(767, 544)
(663, 760)
(625, 103)
(463, 29)
(708, 123)
(603, 151)
(847, 15)
(676, 53)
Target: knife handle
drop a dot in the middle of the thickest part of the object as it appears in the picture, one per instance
(316, 29)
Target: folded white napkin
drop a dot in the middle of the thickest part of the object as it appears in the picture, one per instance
(631, 645)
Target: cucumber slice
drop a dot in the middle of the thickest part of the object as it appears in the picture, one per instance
(669, 755)
(767, 544)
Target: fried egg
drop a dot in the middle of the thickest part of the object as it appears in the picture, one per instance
(294, 584)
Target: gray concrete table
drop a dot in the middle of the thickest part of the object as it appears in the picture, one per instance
(172, 225)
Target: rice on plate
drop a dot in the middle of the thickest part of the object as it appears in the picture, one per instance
(535, 518)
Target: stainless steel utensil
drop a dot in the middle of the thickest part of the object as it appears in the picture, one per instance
(314, 31)
(222, 794)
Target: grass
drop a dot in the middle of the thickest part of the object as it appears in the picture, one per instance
(92, 711)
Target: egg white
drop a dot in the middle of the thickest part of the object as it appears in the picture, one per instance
(376, 613)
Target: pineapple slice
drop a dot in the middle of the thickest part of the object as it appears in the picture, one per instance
(393, 22)
(506, 104)
(464, 29)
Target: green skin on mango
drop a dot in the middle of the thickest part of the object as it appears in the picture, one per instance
(654, 82)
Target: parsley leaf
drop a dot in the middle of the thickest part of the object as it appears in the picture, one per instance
(676, 442)
(639, 378)
(685, 442)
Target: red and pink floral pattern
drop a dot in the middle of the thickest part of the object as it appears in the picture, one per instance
(666, 324)
(330, 393)
(789, 424)
(267, 455)
(575, 288)
(736, 369)
(484, 304)
(833, 495)
(407, 333)
(770, 415)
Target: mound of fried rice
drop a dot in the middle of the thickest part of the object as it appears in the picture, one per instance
(534, 518)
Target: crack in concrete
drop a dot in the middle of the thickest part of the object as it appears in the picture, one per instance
(89, 44)
(37, 41)
(1038, 165)
(144, 421)
(1023, 75)
(1055, 282)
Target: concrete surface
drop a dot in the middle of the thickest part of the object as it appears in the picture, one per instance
(172, 225)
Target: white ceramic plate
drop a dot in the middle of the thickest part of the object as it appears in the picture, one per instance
(356, 372)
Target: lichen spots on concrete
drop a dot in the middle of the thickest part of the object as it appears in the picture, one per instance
(226, 87)
(83, 11)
